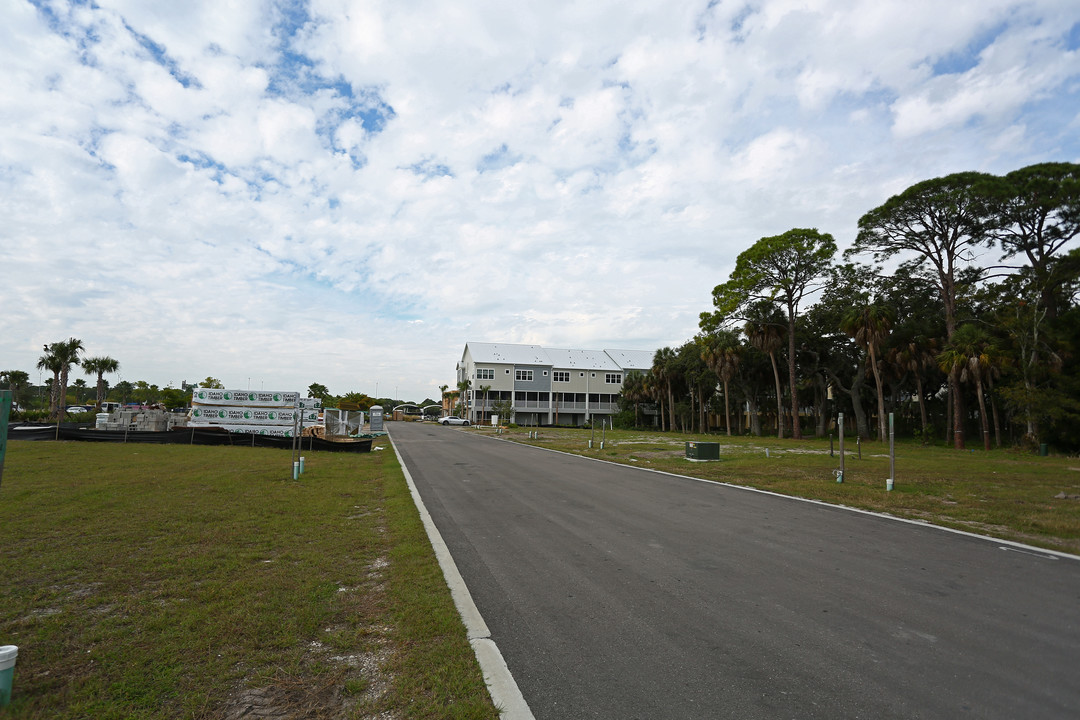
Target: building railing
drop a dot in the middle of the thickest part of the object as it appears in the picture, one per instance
(480, 406)
(565, 406)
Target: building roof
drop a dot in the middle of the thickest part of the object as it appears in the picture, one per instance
(512, 354)
(581, 359)
(507, 353)
(632, 359)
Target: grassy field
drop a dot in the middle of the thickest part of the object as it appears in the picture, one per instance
(1003, 493)
(144, 581)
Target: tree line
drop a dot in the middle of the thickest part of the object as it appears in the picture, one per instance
(52, 398)
(955, 308)
(59, 358)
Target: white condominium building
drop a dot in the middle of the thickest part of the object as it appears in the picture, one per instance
(548, 386)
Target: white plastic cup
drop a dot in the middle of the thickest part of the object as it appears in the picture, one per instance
(8, 653)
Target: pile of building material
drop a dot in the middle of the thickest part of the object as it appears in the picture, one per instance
(281, 414)
(142, 420)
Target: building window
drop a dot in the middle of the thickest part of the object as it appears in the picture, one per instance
(560, 376)
(507, 371)
(524, 375)
(485, 374)
(613, 378)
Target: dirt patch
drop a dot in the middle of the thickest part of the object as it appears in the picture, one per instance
(358, 680)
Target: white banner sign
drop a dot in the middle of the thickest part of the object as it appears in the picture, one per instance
(224, 414)
(260, 430)
(209, 396)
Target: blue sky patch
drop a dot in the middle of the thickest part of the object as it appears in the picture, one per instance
(429, 168)
(497, 160)
(738, 22)
(965, 58)
(1072, 38)
(202, 161)
(158, 54)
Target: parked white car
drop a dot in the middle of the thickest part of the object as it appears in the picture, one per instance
(453, 420)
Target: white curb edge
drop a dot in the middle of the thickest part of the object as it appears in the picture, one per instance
(1045, 553)
(500, 682)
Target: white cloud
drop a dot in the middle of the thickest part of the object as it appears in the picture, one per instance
(346, 193)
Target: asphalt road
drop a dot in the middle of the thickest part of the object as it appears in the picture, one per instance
(614, 592)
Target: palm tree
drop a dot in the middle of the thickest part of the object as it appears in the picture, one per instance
(51, 361)
(721, 353)
(653, 389)
(995, 364)
(966, 355)
(633, 390)
(16, 380)
(79, 384)
(916, 356)
(68, 352)
(463, 390)
(99, 366)
(484, 389)
(663, 369)
(870, 326)
(442, 398)
(764, 332)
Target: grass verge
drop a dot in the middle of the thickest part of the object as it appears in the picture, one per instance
(1002, 493)
(144, 581)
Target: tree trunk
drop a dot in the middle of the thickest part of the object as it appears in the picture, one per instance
(703, 420)
(880, 394)
(997, 419)
(861, 426)
(796, 424)
(948, 416)
(821, 401)
(922, 409)
(671, 407)
(779, 399)
(727, 409)
(755, 417)
(984, 421)
(958, 409)
(54, 391)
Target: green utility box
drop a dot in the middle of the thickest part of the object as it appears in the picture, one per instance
(702, 451)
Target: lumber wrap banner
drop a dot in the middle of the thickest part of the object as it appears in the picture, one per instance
(210, 396)
(237, 415)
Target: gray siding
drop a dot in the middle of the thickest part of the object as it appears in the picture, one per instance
(540, 382)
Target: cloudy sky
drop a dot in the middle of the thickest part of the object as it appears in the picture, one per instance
(277, 193)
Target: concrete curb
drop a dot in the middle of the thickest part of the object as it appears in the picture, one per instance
(500, 682)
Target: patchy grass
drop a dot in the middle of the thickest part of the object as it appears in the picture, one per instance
(1002, 493)
(146, 581)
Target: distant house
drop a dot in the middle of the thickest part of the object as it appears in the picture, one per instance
(548, 386)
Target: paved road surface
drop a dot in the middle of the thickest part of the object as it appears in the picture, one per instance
(618, 593)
